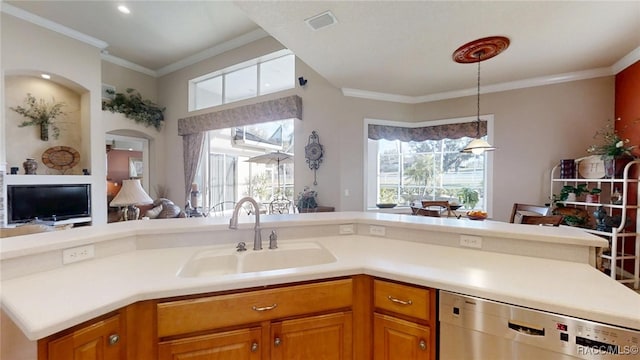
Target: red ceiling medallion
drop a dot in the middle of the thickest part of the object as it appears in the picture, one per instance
(485, 48)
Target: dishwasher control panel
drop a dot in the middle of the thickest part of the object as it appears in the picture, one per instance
(469, 325)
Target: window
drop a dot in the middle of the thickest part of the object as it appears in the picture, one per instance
(264, 75)
(226, 174)
(406, 171)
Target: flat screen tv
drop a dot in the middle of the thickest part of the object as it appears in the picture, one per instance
(48, 202)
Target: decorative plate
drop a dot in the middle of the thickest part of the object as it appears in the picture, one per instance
(61, 157)
(591, 167)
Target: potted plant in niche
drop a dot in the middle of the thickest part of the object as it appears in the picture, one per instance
(614, 151)
(41, 114)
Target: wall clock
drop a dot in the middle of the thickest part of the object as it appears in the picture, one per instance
(313, 152)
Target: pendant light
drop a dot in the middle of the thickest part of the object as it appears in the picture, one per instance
(475, 52)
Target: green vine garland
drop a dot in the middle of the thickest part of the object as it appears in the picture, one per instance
(135, 108)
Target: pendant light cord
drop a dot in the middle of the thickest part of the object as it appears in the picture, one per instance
(479, 55)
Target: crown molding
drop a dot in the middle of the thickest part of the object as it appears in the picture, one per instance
(626, 61)
(512, 85)
(188, 61)
(213, 51)
(127, 64)
(205, 54)
(50, 25)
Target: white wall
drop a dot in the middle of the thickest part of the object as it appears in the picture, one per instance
(534, 129)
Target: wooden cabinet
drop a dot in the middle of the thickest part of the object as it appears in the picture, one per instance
(323, 337)
(402, 322)
(396, 339)
(356, 318)
(99, 340)
(307, 321)
(228, 345)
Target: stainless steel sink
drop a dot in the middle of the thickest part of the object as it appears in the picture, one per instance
(228, 261)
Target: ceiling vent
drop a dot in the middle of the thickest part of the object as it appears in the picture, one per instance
(321, 20)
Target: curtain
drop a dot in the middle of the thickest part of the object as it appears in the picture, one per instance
(191, 148)
(436, 132)
(271, 110)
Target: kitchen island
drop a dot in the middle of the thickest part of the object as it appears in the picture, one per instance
(532, 266)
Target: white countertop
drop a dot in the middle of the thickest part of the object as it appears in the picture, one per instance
(46, 302)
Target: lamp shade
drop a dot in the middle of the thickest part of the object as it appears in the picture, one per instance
(478, 146)
(131, 193)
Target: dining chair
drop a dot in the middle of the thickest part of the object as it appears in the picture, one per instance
(424, 212)
(527, 209)
(552, 220)
(436, 208)
(280, 206)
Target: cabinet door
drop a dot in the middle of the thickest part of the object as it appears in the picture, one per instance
(395, 339)
(99, 341)
(323, 337)
(231, 345)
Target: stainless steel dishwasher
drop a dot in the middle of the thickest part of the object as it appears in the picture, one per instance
(480, 329)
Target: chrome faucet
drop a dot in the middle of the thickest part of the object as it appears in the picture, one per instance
(233, 223)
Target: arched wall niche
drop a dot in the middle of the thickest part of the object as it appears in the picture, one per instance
(25, 142)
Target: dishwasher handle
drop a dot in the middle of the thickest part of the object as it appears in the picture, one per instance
(526, 328)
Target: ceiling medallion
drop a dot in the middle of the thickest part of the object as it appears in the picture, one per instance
(485, 48)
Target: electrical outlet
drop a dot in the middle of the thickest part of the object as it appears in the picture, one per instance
(377, 230)
(78, 254)
(346, 229)
(471, 241)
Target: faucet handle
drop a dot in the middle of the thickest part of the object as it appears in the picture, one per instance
(273, 240)
(241, 246)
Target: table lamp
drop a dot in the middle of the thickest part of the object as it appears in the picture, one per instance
(130, 195)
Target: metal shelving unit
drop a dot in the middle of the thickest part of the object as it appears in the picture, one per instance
(618, 255)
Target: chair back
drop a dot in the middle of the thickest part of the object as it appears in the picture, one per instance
(280, 206)
(526, 209)
(436, 207)
(552, 220)
(425, 212)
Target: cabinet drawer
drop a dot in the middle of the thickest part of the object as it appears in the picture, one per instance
(402, 299)
(186, 316)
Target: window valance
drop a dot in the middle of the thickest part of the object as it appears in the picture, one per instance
(436, 132)
(278, 109)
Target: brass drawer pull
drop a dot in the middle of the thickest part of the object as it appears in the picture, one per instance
(265, 308)
(398, 301)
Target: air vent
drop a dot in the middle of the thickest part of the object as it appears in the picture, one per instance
(321, 20)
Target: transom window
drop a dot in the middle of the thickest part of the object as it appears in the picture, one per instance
(264, 75)
(404, 168)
